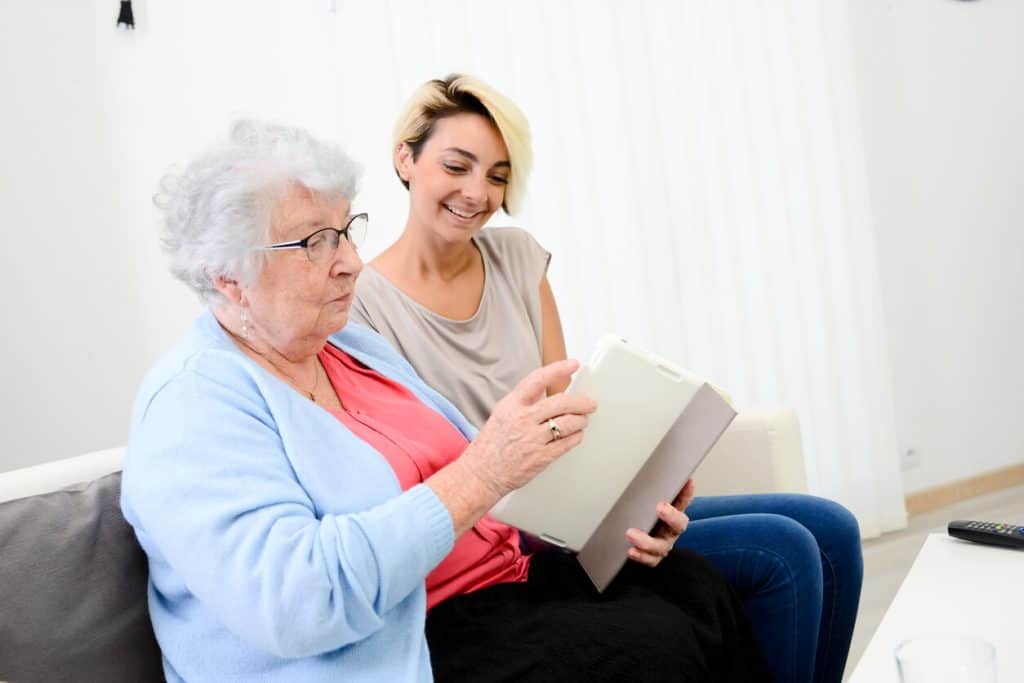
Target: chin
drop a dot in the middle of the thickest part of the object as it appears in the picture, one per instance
(337, 323)
(453, 232)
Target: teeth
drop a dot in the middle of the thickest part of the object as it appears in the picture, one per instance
(459, 213)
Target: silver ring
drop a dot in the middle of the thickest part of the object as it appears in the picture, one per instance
(556, 433)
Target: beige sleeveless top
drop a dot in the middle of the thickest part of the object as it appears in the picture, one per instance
(474, 363)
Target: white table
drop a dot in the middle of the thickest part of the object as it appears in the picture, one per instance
(954, 587)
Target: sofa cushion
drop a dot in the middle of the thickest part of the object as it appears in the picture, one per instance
(73, 589)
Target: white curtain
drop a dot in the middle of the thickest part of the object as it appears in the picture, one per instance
(699, 179)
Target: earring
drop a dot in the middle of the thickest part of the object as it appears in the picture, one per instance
(244, 315)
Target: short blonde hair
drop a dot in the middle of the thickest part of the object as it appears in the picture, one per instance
(458, 94)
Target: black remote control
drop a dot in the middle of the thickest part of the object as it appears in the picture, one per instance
(992, 533)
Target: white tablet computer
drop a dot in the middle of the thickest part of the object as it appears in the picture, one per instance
(654, 423)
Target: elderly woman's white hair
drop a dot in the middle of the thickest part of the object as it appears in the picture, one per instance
(217, 212)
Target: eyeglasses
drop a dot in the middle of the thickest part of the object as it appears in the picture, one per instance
(323, 244)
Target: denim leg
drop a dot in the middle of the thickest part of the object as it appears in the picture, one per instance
(773, 564)
(837, 536)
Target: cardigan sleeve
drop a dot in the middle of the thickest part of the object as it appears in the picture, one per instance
(212, 495)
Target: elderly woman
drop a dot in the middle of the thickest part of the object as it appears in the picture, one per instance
(303, 497)
(473, 312)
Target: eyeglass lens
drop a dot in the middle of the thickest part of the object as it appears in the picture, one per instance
(325, 243)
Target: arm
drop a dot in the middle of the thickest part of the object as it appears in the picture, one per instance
(553, 341)
(215, 501)
(217, 505)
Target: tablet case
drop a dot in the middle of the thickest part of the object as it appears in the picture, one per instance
(662, 477)
(653, 425)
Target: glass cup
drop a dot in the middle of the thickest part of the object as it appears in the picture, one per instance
(946, 658)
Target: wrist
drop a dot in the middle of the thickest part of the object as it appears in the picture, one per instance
(464, 492)
(476, 479)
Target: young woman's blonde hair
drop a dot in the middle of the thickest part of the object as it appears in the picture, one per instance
(458, 94)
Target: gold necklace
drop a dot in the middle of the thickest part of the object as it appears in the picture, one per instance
(294, 382)
(316, 382)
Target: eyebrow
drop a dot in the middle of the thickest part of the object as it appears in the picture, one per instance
(472, 157)
(305, 224)
(302, 227)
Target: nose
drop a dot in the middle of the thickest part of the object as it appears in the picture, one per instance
(346, 260)
(474, 188)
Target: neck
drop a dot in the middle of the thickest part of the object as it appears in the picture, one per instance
(299, 368)
(422, 252)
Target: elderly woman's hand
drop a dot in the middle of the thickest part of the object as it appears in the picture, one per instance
(651, 549)
(518, 442)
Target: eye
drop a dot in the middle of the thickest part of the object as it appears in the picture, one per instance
(499, 180)
(453, 168)
(316, 241)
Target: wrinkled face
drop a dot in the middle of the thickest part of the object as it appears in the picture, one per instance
(295, 304)
(459, 179)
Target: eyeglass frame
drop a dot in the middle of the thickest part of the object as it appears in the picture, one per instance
(304, 242)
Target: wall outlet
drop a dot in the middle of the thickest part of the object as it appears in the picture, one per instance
(911, 459)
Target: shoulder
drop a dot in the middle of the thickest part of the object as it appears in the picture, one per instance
(508, 239)
(197, 399)
(184, 375)
(515, 251)
(187, 381)
(376, 299)
(366, 299)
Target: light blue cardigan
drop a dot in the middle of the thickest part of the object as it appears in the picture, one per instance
(280, 545)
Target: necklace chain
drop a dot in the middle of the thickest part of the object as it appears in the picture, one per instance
(316, 382)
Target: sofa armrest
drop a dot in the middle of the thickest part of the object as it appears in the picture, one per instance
(52, 476)
(760, 452)
(78, 607)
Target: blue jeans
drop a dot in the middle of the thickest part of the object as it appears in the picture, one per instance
(796, 562)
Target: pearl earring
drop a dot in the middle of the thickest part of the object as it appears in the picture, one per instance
(245, 323)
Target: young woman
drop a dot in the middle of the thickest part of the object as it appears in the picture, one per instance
(472, 311)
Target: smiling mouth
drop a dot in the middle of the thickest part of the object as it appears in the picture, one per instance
(461, 214)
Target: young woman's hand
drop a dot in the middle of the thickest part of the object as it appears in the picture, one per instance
(651, 549)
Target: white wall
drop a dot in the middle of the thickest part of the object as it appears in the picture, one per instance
(942, 100)
(67, 264)
(91, 118)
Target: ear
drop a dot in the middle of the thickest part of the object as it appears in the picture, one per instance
(404, 161)
(229, 289)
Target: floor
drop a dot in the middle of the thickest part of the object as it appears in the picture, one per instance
(888, 559)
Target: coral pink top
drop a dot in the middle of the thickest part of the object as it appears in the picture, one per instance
(417, 441)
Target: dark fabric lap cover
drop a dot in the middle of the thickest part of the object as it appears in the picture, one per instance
(73, 589)
(679, 622)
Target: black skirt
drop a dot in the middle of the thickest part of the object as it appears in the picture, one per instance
(678, 622)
